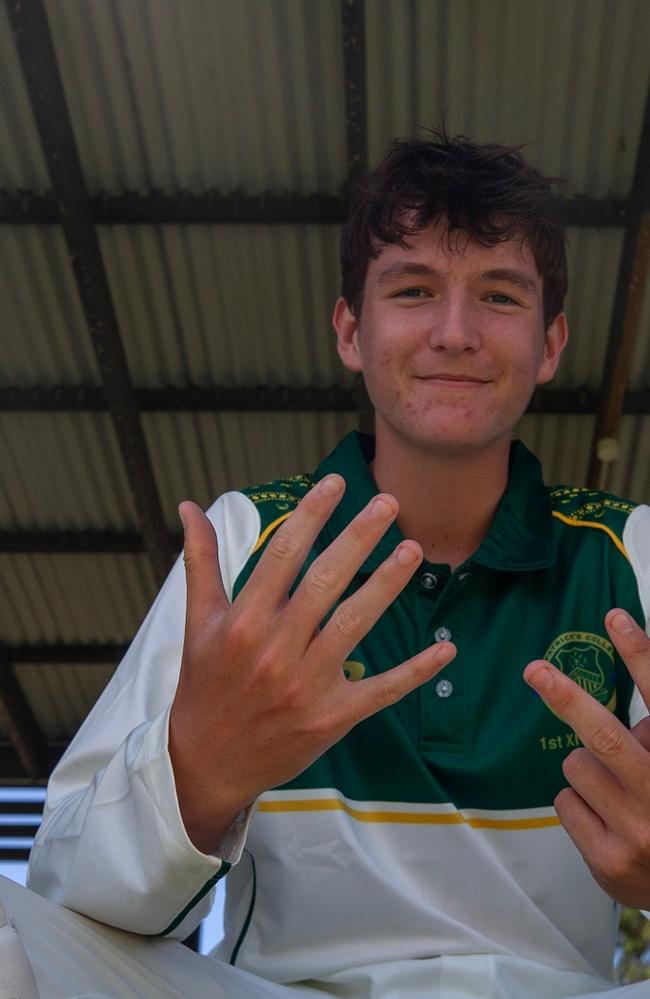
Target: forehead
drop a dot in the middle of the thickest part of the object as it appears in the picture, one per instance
(454, 254)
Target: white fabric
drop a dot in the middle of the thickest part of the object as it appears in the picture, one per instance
(112, 797)
(113, 794)
(75, 958)
(16, 977)
(636, 538)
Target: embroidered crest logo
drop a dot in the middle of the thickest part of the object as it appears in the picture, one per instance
(588, 660)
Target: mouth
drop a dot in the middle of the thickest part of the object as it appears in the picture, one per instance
(452, 380)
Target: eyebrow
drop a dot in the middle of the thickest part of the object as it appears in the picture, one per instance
(403, 269)
(413, 269)
(522, 280)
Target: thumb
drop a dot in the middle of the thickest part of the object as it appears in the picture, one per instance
(205, 589)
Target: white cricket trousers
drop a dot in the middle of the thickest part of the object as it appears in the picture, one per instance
(73, 957)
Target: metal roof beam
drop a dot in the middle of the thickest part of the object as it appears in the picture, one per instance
(269, 399)
(19, 721)
(78, 542)
(213, 207)
(11, 773)
(239, 399)
(38, 59)
(76, 653)
(626, 314)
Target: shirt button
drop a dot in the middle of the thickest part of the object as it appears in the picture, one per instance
(444, 688)
(442, 634)
(428, 580)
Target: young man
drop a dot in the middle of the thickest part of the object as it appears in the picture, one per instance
(345, 729)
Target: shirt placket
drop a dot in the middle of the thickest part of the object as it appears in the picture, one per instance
(443, 707)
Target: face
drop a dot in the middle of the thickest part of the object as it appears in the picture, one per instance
(450, 340)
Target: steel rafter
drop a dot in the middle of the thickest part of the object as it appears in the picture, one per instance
(268, 399)
(213, 207)
(19, 721)
(626, 312)
(36, 52)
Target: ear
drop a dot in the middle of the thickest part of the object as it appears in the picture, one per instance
(347, 335)
(555, 340)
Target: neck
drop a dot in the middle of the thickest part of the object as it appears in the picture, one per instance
(447, 501)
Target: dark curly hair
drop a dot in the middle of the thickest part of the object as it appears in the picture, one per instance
(488, 192)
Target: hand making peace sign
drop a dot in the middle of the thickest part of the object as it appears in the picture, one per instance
(261, 692)
(606, 810)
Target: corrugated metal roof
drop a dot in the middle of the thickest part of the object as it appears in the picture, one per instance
(563, 444)
(22, 165)
(42, 326)
(569, 78)
(204, 93)
(62, 471)
(226, 305)
(239, 305)
(201, 94)
(62, 696)
(73, 598)
(200, 456)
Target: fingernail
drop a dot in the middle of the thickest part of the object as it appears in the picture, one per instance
(182, 519)
(330, 486)
(381, 508)
(542, 678)
(406, 555)
(622, 622)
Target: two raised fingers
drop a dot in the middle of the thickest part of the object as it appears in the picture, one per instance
(601, 733)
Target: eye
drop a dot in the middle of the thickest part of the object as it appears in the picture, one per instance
(411, 293)
(500, 298)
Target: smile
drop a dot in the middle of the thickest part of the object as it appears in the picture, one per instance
(452, 381)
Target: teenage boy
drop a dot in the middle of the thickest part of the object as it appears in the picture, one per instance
(345, 729)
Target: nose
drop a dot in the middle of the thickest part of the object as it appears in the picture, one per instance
(454, 327)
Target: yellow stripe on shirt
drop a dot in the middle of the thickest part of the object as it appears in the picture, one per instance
(267, 530)
(592, 523)
(410, 818)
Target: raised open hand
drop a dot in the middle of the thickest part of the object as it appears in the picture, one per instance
(261, 692)
(606, 810)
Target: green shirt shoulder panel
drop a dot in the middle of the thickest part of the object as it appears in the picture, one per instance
(591, 509)
(274, 502)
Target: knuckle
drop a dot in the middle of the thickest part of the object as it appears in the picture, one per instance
(283, 546)
(562, 798)
(575, 763)
(347, 621)
(268, 663)
(357, 529)
(241, 630)
(198, 555)
(618, 864)
(388, 693)
(323, 576)
(563, 701)
(607, 740)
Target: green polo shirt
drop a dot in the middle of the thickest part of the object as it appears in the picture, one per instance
(539, 586)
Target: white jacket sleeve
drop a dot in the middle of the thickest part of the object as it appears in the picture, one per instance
(112, 844)
(636, 538)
